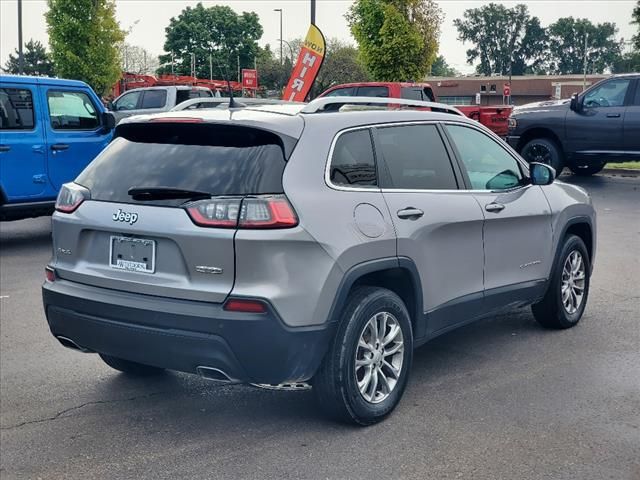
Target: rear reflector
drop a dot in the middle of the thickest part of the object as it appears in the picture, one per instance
(50, 274)
(262, 211)
(247, 306)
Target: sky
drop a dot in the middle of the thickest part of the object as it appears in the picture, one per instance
(148, 19)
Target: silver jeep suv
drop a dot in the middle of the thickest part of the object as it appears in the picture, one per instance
(314, 243)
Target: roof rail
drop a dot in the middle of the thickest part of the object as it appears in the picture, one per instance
(320, 104)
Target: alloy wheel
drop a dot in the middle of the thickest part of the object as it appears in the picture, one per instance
(379, 357)
(573, 282)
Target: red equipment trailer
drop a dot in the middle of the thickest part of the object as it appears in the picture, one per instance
(130, 81)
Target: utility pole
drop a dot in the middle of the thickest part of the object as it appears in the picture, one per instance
(280, 10)
(313, 13)
(584, 75)
(210, 67)
(20, 54)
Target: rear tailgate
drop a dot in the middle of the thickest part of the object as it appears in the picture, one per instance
(152, 246)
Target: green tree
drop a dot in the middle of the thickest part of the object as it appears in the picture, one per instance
(567, 46)
(506, 40)
(398, 39)
(627, 63)
(635, 20)
(441, 68)
(215, 31)
(36, 61)
(272, 74)
(84, 37)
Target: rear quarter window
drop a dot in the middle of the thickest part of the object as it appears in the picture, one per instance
(352, 161)
(16, 109)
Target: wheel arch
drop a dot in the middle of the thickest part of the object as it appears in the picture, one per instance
(398, 274)
(582, 227)
(539, 132)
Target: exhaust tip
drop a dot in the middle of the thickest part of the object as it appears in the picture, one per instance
(215, 374)
(67, 342)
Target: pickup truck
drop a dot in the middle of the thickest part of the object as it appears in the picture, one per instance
(50, 129)
(493, 117)
(142, 101)
(594, 127)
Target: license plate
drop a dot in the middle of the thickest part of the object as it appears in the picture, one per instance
(132, 254)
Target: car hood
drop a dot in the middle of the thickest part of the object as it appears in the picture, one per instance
(546, 106)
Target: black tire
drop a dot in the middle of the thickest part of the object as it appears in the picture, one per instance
(130, 368)
(551, 311)
(544, 150)
(335, 384)
(587, 170)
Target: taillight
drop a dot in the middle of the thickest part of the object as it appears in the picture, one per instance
(70, 197)
(263, 211)
(245, 305)
(50, 274)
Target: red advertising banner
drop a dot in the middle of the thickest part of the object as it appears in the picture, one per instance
(249, 78)
(307, 66)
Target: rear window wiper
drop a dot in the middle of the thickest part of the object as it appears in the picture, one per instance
(165, 193)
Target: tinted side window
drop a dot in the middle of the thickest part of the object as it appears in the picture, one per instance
(16, 109)
(352, 162)
(609, 94)
(488, 164)
(411, 93)
(341, 92)
(72, 111)
(128, 101)
(373, 92)
(182, 95)
(416, 158)
(154, 99)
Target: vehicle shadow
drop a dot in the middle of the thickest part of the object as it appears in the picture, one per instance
(184, 401)
(25, 235)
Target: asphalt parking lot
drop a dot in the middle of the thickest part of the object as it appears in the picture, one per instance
(500, 399)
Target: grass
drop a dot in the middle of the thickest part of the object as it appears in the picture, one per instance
(628, 165)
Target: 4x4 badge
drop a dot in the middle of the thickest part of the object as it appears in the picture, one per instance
(128, 217)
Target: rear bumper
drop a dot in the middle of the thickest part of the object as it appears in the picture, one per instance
(183, 335)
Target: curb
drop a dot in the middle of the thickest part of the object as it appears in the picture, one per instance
(623, 172)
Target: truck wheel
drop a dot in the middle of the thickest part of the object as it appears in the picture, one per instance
(586, 170)
(131, 368)
(544, 150)
(566, 297)
(365, 371)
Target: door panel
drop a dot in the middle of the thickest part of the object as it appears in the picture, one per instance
(73, 130)
(597, 129)
(517, 238)
(437, 226)
(23, 153)
(631, 131)
(517, 227)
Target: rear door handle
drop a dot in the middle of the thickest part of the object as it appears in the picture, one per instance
(494, 207)
(59, 147)
(613, 115)
(4, 148)
(410, 212)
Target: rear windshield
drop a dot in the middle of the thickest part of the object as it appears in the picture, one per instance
(217, 159)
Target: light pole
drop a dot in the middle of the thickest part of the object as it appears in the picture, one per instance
(313, 12)
(20, 54)
(280, 10)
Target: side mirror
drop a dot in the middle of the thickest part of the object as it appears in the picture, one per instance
(108, 121)
(541, 173)
(575, 104)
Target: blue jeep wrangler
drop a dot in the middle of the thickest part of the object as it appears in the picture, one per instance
(50, 129)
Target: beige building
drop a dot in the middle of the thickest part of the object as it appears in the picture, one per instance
(524, 89)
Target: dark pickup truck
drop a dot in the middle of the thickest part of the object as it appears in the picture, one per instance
(599, 125)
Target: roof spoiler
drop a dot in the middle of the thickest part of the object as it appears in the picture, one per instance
(320, 104)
